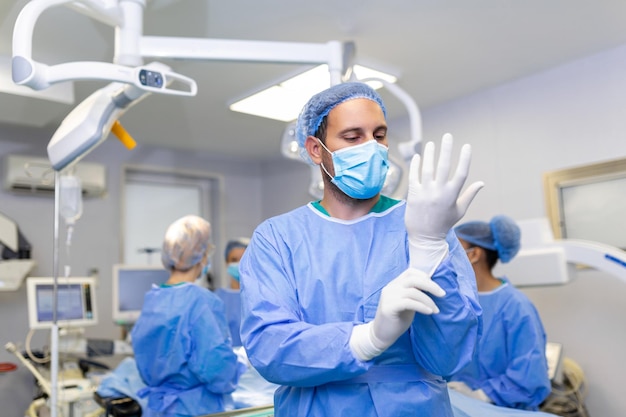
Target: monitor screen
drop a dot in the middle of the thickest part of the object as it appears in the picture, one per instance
(130, 284)
(75, 307)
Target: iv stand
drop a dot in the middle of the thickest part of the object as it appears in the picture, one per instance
(54, 354)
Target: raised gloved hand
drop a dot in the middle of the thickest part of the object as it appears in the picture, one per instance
(399, 300)
(435, 202)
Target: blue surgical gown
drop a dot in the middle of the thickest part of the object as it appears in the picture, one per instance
(232, 305)
(510, 365)
(184, 353)
(308, 279)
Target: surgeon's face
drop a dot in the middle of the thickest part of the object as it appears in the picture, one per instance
(352, 123)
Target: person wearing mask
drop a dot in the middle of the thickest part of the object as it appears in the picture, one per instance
(509, 368)
(230, 295)
(358, 304)
(181, 341)
(232, 255)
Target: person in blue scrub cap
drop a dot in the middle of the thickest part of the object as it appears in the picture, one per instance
(231, 295)
(181, 341)
(510, 367)
(232, 255)
(358, 304)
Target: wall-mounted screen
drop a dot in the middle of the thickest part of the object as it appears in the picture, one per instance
(130, 285)
(588, 202)
(75, 302)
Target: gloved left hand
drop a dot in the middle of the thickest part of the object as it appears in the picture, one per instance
(435, 203)
(399, 300)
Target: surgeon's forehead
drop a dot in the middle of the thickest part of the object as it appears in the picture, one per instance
(357, 111)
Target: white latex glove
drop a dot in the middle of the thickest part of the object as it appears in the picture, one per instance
(435, 202)
(399, 300)
(462, 388)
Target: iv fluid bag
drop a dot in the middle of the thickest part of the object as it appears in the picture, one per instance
(71, 198)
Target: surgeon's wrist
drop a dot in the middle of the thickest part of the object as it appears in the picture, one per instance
(427, 254)
(361, 343)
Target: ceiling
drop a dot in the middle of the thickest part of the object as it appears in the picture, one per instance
(439, 49)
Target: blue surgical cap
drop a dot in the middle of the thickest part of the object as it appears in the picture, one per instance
(242, 242)
(185, 243)
(501, 234)
(322, 103)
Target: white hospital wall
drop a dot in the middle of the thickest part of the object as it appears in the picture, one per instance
(571, 115)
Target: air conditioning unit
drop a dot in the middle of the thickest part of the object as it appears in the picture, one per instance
(34, 175)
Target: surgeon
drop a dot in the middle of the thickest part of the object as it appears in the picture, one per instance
(231, 295)
(510, 367)
(358, 304)
(181, 340)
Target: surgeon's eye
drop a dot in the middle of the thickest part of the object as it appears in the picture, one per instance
(380, 137)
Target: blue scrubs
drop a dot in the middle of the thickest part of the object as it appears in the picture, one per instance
(510, 365)
(232, 305)
(307, 279)
(184, 353)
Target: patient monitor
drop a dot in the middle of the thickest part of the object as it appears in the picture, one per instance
(75, 302)
(130, 285)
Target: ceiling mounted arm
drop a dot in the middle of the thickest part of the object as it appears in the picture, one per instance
(73, 140)
(126, 16)
(338, 55)
(38, 76)
(25, 70)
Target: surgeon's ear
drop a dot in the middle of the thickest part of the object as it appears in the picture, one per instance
(475, 254)
(314, 149)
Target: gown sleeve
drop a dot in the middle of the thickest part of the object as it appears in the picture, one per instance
(281, 345)
(445, 342)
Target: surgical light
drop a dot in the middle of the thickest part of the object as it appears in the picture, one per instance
(285, 100)
(289, 145)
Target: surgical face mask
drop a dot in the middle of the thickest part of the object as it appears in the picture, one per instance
(233, 270)
(201, 280)
(206, 269)
(360, 170)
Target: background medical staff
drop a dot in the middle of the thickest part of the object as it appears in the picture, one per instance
(510, 367)
(181, 341)
(231, 295)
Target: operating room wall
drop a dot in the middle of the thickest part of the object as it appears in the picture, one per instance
(568, 116)
(96, 240)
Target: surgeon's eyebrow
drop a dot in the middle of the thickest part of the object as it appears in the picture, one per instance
(361, 131)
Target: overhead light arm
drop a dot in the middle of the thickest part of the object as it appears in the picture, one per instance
(334, 53)
(130, 47)
(72, 141)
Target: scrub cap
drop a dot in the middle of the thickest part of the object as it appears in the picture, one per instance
(241, 242)
(186, 241)
(501, 234)
(322, 103)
